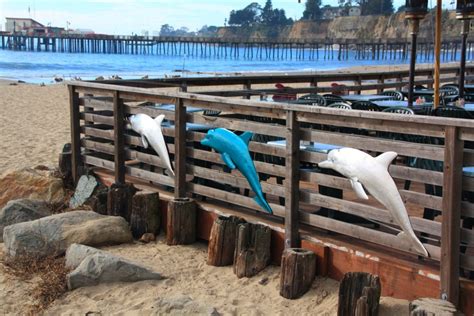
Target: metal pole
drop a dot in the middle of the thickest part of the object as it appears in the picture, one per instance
(411, 77)
(437, 53)
(462, 68)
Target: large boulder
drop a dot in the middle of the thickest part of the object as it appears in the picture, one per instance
(39, 184)
(76, 253)
(103, 267)
(52, 235)
(22, 210)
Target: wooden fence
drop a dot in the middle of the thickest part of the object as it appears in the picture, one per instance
(99, 139)
(316, 82)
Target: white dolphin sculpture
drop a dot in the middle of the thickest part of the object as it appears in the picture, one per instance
(150, 131)
(363, 169)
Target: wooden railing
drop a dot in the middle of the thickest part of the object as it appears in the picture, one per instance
(316, 82)
(98, 112)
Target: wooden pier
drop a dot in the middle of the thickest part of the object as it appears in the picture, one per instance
(211, 47)
(98, 111)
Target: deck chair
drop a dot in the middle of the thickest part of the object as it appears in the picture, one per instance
(397, 95)
(332, 98)
(366, 106)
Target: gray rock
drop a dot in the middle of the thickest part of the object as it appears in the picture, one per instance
(22, 210)
(106, 268)
(52, 235)
(76, 253)
(84, 189)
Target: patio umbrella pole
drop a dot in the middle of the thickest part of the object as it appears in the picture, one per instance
(464, 33)
(411, 78)
(437, 53)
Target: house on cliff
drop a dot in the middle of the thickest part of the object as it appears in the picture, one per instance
(329, 13)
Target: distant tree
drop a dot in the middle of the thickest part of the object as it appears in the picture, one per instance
(268, 15)
(373, 7)
(312, 10)
(401, 9)
(248, 16)
(166, 30)
(208, 31)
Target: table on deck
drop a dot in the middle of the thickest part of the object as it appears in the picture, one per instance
(172, 107)
(316, 147)
(366, 97)
(469, 88)
(403, 104)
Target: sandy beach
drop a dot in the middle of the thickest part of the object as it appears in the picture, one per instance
(35, 125)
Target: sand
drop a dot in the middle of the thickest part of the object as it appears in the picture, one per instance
(35, 125)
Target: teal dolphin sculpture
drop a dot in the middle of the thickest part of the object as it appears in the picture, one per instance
(235, 154)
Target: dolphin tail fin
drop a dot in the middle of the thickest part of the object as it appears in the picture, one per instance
(159, 119)
(386, 158)
(263, 204)
(415, 242)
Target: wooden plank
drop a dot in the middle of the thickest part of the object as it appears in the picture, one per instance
(359, 232)
(75, 132)
(95, 118)
(238, 124)
(119, 139)
(450, 230)
(292, 163)
(233, 198)
(404, 148)
(373, 124)
(235, 179)
(180, 147)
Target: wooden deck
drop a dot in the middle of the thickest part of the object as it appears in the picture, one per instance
(98, 140)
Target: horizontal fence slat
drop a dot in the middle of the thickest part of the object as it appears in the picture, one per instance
(375, 144)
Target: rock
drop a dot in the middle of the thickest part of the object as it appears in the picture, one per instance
(84, 189)
(432, 306)
(76, 253)
(213, 312)
(52, 235)
(105, 268)
(33, 184)
(22, 210)
(147, 237)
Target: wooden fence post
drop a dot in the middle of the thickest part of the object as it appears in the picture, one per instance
(450, 227)
(292, 187)
(119, 140)
(248, 86)
(75, 133)
(180, 147)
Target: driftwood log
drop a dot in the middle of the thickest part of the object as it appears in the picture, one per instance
(181, 222)
(298, 269)
(252, 249)
(432, 307)
(65, 166)
(119, 200)
(359, 294)
(98, 200)
(220, 251)
(145, 216)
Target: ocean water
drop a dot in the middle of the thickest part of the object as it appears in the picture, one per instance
(37, 67)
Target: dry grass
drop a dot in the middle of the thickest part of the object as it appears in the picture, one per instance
(51, 272)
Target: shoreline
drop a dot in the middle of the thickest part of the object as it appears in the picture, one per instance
(189, 73)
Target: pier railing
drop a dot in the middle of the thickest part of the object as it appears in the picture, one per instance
(298, 191)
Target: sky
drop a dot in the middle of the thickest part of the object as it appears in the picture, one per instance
(124, 17)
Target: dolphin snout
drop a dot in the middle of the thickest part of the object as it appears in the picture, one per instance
(326, 164)
(128, 124)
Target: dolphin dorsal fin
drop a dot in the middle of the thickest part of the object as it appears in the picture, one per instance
(246, 136)
(385, 159)
(159, 119)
